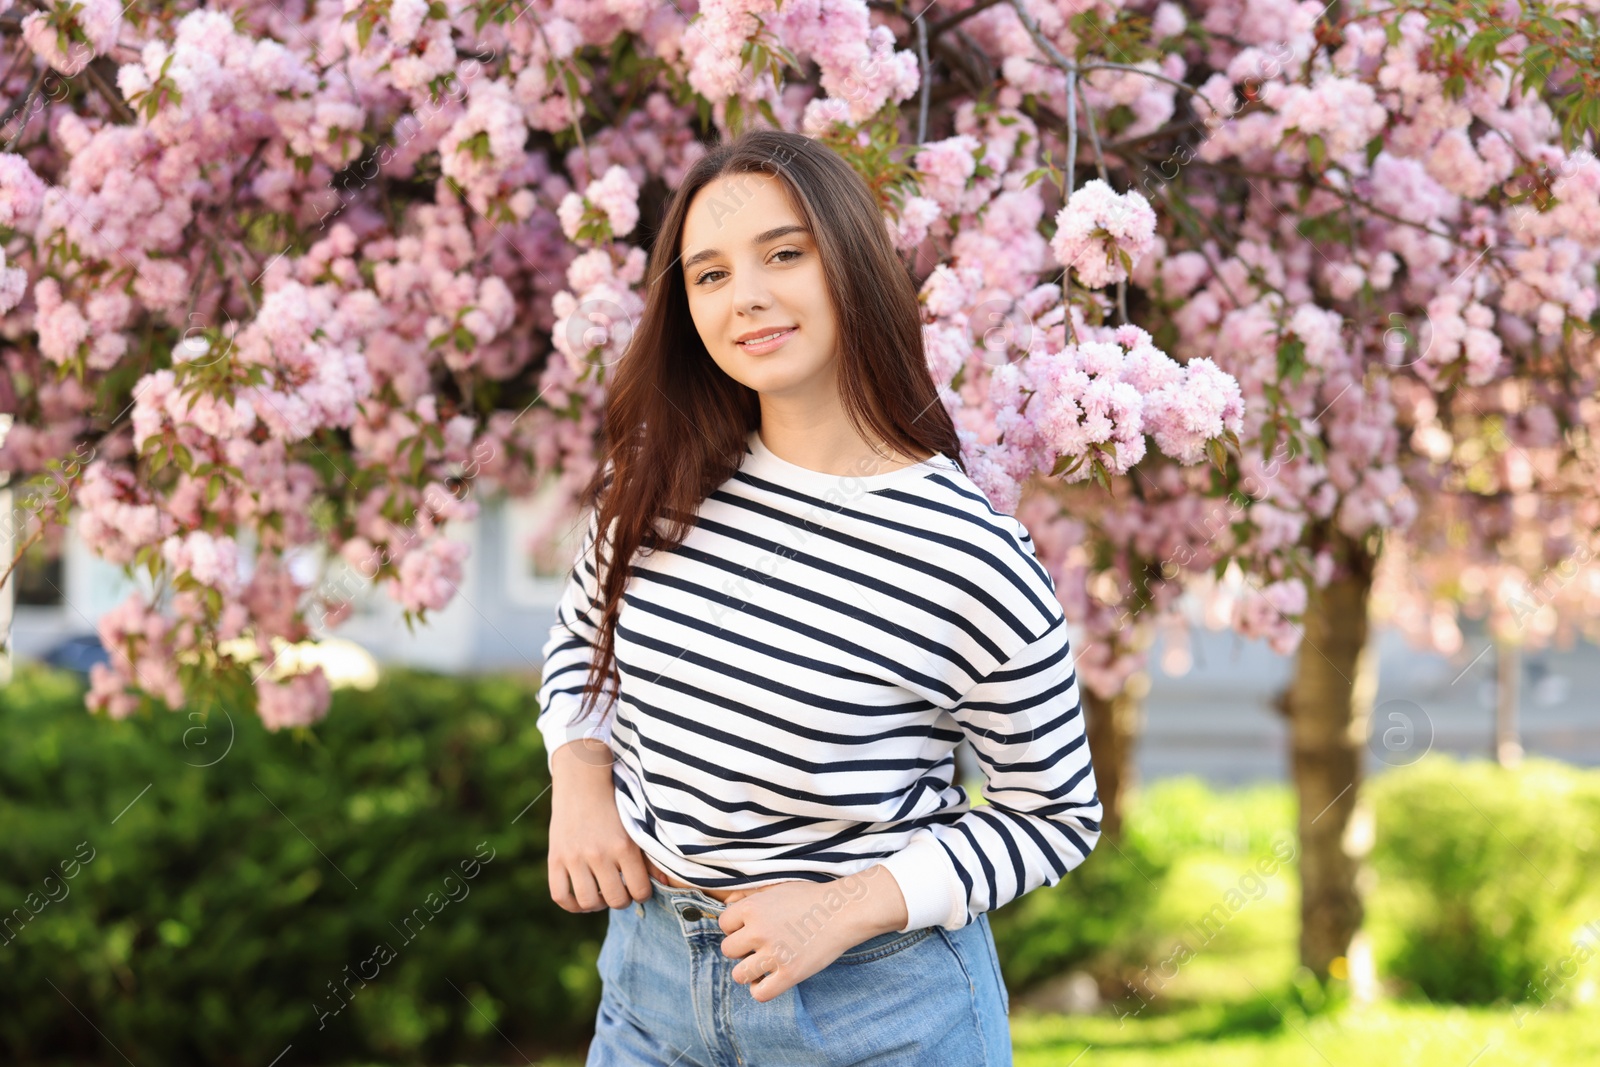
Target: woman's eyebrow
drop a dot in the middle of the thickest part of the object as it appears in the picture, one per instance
(760, 239)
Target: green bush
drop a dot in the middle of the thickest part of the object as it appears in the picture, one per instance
(1093, 918)
(1188, 816)
(208, 914)
(1106, 916)
(1487, 877)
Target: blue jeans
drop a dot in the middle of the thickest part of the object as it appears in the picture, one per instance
(929, 998)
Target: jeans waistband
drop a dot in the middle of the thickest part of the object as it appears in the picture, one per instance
(679, 894)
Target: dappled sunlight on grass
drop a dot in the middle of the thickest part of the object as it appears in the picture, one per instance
(1254, 1034)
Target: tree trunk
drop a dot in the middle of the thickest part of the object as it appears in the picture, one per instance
(8, 545)
(1113, 726)
(1330, 703)
(1508, 679)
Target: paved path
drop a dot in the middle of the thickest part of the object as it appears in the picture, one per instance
(1216, 721)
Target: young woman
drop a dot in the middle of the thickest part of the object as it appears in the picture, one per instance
(751, 726)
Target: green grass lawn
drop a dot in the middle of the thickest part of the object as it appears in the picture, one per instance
(1261, 1034)
(1246, 1034)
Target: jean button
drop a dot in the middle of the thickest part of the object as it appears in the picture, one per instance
(690, 912)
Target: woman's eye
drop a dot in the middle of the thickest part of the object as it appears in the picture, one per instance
(784, 252)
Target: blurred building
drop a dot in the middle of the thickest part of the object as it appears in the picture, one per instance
(499, 619)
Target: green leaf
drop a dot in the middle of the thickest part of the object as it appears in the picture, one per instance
(1065, 465)
(1292, 359)
(477, 145)
(1101, 475)
(1317, 149)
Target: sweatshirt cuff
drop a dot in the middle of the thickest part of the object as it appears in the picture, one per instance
(555, 731)
(928, 880)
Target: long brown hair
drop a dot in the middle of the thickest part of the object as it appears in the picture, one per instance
(675, 424)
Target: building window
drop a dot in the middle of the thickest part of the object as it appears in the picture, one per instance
(537, 558)
(39, 578)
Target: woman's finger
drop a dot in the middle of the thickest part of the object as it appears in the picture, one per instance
(584, 889)
(636, 874)
(612, 889)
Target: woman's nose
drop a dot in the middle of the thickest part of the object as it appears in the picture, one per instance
(750, 292)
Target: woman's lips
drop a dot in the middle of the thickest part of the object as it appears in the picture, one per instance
(760, 347)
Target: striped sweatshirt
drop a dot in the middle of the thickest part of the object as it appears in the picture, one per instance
(795, 677)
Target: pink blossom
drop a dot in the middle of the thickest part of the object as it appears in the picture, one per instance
(21, 191)
(822, 113)
(211, 561)
(97, 20)
(616, 194)
(1168, 21)
(485, 142)
(430, 575)
(139, 642)
(13, 284)
(1097, 227)
(910, 228)
(944, 167)
(119, 516)
(300, 700)
(62, 326)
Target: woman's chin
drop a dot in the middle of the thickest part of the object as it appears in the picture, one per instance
(776, 378)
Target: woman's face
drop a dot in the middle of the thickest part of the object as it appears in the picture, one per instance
(751, 268)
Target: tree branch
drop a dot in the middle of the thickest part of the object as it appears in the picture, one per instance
(1305, 179)
(101, 74)
(1100, 165)
(959, 17)
(965, 56)
(22, 53)
(21, 107)
(1175, 83)
(927, 80)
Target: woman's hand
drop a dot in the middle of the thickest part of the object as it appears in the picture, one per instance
(593, 862)
(789, 931)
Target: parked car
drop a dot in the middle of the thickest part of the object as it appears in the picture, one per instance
(77, 654)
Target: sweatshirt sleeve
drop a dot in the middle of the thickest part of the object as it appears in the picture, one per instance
(1025, 722)
(567, 653)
